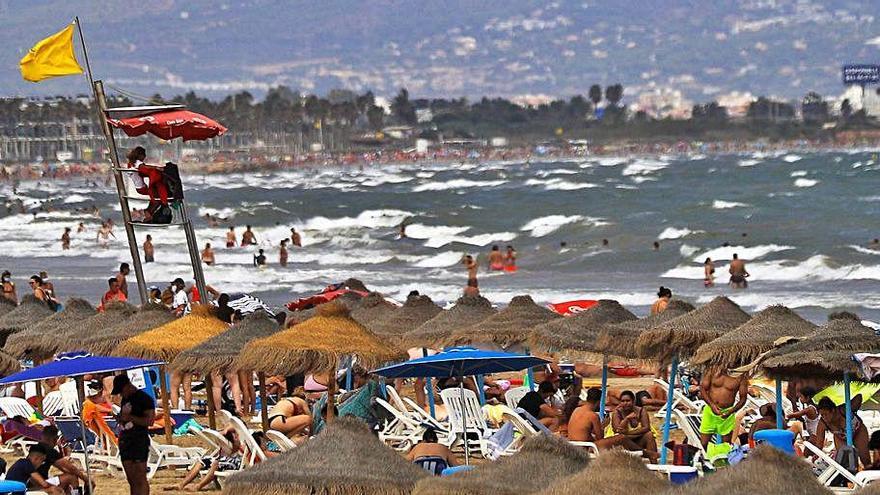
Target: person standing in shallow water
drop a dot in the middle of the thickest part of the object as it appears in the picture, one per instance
(708, 273)
(148, 250)
(65, 239)
(664, 295)
(510, 260)
(230, 238)
(248, 238)
(471, 264)
(738, 273)
(496, 259)
(282, 253)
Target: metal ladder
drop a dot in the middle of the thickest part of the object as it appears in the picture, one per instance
(124, 198)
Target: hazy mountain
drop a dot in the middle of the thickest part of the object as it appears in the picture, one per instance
(452, 47)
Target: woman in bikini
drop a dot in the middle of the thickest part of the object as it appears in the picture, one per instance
(291, 416)
(633, 422)
(9, 287)
(833, 420)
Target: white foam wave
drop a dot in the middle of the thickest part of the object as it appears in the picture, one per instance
(558, 184)
(475, 240)
(366, 219)
(792, 158)
(720, 204)
(457, 184)
(556, 171)
(676, 233)
(76, 198)
(441, 260)
(434, 232)
(798, 173)
(644, 166)
(805, 182)
(539, 227)
(748, 162)
(745, 253)
(818, 267)
(611, 161)
(865, 250)
(687, 251)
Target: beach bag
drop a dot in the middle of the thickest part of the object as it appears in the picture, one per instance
(171, 176)
(159, 214)
(847, 457)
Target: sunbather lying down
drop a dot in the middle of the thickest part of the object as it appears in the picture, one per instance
(291, 416)
(227, 459)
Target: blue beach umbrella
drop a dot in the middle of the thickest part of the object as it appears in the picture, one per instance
(460, 362)
(76, 365)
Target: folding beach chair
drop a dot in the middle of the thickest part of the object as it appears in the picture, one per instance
(476, 431)
(283, 442)
(53, 404)
(679, 401)
(514, 395)
(834, 469)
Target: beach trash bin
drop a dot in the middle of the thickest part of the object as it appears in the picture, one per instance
(12, 488)
(679, 475)
(780, 439)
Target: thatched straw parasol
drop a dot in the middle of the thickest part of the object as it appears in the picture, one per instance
(468, 310)
(620, 339)
(8, 364)
(748, 341)
(28, 342)
(825, 353)
(870, 489)
(166, 342)
(372, 308)
(69, 339)
(578, 333)
(765, 470)
(6, 306)
(30, 311)
(508, 327)
(543, 460)
(316, 345)
(218, 353)
(119, 321)
(614, 472)
(416, 310)
(344, 459)
(683, 335)
(355, 284)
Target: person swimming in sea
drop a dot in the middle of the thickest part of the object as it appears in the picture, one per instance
(664, 295)
(510, 260)
(708, 273)
(496, 259)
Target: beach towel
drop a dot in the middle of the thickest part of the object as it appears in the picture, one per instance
(498, 442)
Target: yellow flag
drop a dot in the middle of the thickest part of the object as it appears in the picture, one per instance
(51, 57)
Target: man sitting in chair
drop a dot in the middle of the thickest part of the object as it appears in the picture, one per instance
(724, 395)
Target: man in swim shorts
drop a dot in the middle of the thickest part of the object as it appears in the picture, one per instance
(738, 273)
(496, 259)
(724, 396)
(472, 285)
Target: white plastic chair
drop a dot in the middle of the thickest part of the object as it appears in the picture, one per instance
(281, 440)
(53, 404)
(252, 450)
(70, 399)
(401, 432)
(466, 405)
(833, 469)
(514, 395)
(13, 406)
(678, 399)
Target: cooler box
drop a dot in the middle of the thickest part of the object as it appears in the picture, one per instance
(679, 475)
(780, 439)
(12, 488)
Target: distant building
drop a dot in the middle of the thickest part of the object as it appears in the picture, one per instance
(736, 103)
(662, 103)
(871, 101)
(424, 115)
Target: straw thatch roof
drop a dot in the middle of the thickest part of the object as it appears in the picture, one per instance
(614, 472)
(468, 310)
(748, 341)
(355, 284)
(27, 343)
(578, 333)
(8, 364)
(218, 353)
(416, 310)
(826, 353)
(372, 308)
(620, 339)
(683, 335)
(542, 460)
(113, 313)
(870, 489)
(316, 344)
(508, 327)
(166, 342)
(765, 471)
(119, 321)
(30, 311)
(344, 459)
(6, 305)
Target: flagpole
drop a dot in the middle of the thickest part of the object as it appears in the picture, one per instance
(82, 41)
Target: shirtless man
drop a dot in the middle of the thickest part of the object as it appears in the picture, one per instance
(738, 273)
(291, 416)
(104, 235)
(724, 396)
(81, 228)
(248, 238)
(496, 259)
(471, 265)
(65, 239)
(124, 270)
(208, 255)
(230, 238)
(282, 253)
(148, 250)
(584, 425)
(295, 238)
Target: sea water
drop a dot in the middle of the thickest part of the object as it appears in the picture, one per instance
(802, 221)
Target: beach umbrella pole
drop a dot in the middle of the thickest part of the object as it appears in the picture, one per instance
(349, 379)
(478, 381)
(429, 388)
(530, 375)
(604, 395)
(209, 385)
(166, 403)
(780, 417)
(331, 398)
(264, 401)
(669, 399)
(848, 402)
(81, 395)
(464, 434)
